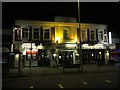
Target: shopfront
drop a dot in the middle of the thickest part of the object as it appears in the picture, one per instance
(67, 53)
(30, 54)
(43, 58)
(93, 54)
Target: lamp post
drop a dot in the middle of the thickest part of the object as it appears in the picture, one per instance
(80, 47)
(12, 47)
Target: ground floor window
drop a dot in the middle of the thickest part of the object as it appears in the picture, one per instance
(28, 56)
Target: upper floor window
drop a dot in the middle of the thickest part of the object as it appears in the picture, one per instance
(92, 35)
(36, 33)
(100, 35)
(66, 32)
(46, 33)
(25, 33)
(83, 35)
(105, 31)
(105, 40)
(18, 34)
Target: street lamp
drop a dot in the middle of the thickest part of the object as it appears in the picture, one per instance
(80, 47)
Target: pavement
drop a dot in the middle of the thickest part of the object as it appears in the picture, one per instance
(38, 71)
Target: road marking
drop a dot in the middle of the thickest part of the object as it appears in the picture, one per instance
(31, 86)
(107, 81)
(60, 85)
(84, 83)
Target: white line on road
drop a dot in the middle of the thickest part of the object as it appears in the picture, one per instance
(107, 81)
(60, 85)
(84, 83)
(31, 86)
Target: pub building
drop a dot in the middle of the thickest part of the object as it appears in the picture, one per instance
(46, 43)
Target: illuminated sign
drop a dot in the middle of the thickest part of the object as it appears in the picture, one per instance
(97, 46)
(27, 46)
(70, 45)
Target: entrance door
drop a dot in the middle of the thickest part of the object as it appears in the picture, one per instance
(65, 57)
(43, 60)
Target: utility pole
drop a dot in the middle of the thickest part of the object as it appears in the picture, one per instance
(30, 30)
(80, 47)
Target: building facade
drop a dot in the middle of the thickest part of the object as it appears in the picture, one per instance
(43, 43)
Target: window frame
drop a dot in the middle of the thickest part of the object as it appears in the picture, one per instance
(24, 32)
(67, 29)
(83, 31)
(33, 29)
(44, 28)
(90, 30)
(18, 34)
(102, 35)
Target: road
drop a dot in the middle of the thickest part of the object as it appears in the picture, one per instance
(81, 80)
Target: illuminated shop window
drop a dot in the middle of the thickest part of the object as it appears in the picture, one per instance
(28, 56)
(34, 56)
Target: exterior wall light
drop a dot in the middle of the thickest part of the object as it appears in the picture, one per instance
(57, 40)
(92, 55)
(99, 52)
(54, 55)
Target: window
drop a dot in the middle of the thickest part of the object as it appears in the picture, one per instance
(105, 31)
(65, 34)
(46, 33)
(25, 33)
(100, 35)
(92, 35)
(18, 34)
(36, 33)
(105, 39)
(83, 35)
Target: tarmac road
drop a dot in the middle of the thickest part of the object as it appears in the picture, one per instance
(81, 80)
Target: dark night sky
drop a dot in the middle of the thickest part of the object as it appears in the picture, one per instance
(103, 13)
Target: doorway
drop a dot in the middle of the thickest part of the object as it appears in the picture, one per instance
(65, 57)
